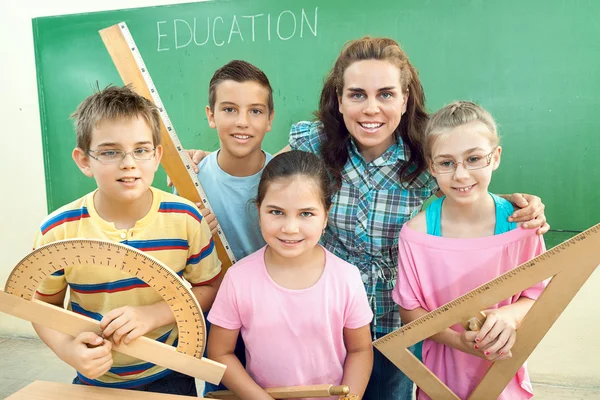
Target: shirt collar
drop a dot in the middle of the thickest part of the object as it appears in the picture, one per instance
(396, 152)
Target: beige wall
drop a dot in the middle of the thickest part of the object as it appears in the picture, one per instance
(569, 354)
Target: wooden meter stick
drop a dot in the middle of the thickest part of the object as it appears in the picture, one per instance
(292, 392)
(133, 71)
(569, 264)
(17, 300)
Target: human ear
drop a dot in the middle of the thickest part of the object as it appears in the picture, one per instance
(339, 99)
(270, 124)
(326, 219)
(405, 96)
(210, 115)
(83, 162)
(496, 157)
(158, 156)
(430, 168)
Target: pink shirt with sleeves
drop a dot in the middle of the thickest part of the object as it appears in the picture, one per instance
(435, 270)
(292, 337)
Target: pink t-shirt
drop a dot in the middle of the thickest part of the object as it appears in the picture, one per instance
(435, 270)
(292, 337)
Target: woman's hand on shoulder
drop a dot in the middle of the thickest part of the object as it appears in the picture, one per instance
(530, 212)
(195, 156)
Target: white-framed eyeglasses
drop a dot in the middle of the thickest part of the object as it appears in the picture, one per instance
(473, 162)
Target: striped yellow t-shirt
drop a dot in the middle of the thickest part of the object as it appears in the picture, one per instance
(173, 232)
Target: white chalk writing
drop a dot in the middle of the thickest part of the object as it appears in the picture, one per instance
(287, 24)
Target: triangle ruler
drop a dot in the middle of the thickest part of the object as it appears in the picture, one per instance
(569, 264)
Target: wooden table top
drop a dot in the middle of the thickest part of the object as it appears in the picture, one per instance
(41, 390)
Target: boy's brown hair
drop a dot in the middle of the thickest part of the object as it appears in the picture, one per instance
(238, 71)
(109, 104)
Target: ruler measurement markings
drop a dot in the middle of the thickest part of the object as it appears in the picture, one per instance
(550, 264)
(57, 250)
(507, 276)
(170, 129)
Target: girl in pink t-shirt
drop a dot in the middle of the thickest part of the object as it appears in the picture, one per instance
(303, 312)
(460, 242)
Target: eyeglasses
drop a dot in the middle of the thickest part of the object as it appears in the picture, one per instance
(114, 156)
(471, 163)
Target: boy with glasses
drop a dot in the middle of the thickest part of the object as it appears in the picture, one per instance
(118, 144)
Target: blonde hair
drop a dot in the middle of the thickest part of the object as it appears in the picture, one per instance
(112, 103)
(456, 114)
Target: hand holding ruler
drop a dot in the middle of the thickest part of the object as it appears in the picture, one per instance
(133, 71)
(17, 300)
(569, 264)
(130, 65)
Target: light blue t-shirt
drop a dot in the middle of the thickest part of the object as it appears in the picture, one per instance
(232, 200)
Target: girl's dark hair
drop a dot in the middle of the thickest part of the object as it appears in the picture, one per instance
(296, 163)
(412, 124)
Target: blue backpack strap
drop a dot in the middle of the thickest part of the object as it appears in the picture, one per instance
(504, 209)
(433, 216)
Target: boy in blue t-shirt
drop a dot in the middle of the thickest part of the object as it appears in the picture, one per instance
(241, 110)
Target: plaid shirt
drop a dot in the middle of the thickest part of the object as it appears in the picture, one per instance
(366, 217)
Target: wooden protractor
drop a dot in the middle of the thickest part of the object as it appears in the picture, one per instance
(29, 273)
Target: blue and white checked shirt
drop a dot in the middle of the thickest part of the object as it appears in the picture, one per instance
(367, 215)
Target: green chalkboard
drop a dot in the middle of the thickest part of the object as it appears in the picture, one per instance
(534, 64)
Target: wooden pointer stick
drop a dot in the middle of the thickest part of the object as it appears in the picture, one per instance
(289, 392)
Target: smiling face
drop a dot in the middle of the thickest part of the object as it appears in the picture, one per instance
(241, 117)
(468, 144)
(127, 180)
(372, 103)
(292, 216)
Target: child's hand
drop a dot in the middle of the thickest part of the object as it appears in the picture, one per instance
(472, 347)
(89, 354)
(209, 217)
(498, 334)
(196, 156)
(127, 323)
(531, 212)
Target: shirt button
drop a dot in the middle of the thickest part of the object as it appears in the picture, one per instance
(365, 278)
(123, 235)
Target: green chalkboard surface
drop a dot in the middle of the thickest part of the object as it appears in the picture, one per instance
(534, 64)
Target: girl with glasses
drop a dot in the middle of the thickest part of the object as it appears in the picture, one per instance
(461, 241)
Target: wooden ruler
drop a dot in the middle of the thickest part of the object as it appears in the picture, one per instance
(291, 392)
(569, 264)
(40, 390)
(133, 71)
(17, 300)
